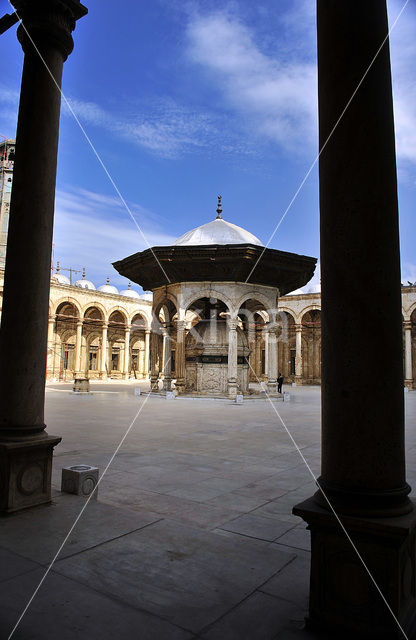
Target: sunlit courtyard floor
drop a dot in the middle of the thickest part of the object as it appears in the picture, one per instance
(192, 534)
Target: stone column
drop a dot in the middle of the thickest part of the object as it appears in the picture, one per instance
(180, 356)
(25, 448)
(363, 462)
(298, 361)
(51, 346)
(104, 348)
(154, 349)
(408, 365)
(167, 360)
(126, 363)
(146, 352)
(78, 344)
(266, 352)
(251, 335)
(272, 361)
(232, 357)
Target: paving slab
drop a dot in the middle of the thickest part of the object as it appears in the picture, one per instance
(38, 533)
(187, 576)
(263, 527)
(64, 609)
(260, 617)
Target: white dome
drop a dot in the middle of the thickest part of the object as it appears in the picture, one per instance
(129, 293)
(218, 231)
(146, 296)
(108, 288)
(60, 278)
(84, 284)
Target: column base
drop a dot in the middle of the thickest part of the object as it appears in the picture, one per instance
(299, 381)
(343, 598)
(167, 384)
(154, 383)
(232, 388)
(272, 386)
(26, 466)
(180, 386)
(408, 384)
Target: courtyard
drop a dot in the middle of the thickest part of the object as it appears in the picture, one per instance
(192, 534)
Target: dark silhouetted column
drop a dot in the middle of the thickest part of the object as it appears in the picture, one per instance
(25, 448)
(363, 462)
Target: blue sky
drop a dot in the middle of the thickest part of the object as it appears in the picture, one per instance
(186, 100)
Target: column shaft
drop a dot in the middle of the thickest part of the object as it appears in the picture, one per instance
(232, 358)
(104, 347)
(359, 244)
(146, 353)
(180, 356)
(408, 365)
(298, 360)
(126, 363)
(78, 345)
(167, 360)
(272, 361)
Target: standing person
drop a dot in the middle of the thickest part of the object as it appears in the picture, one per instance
(279, 383)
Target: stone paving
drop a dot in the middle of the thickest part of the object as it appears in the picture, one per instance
(192, 534)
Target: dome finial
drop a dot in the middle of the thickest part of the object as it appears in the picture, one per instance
(219, 209)
(83, 273)
(108, 280)
(58, 267)
(129, 286)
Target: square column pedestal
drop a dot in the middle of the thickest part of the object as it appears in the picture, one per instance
(342, 595)
(26, 468)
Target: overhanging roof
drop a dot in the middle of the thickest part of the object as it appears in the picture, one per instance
(217, 263)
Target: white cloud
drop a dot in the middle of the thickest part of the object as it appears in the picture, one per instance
(277, 93)
(93, 230)
(163, 127)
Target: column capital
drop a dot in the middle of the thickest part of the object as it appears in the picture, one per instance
(181, 325)
(298, 328)
(232, 324)
(407, 325)
(105, 325)
(49, 22)
(147, 332)
(127, 328)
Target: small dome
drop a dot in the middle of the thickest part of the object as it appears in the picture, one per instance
(218, 231)
(60, 278)
(146, 296)
(108, 288)
(84, 284)
(129, 293)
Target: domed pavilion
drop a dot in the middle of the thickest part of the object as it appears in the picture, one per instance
(215, 306)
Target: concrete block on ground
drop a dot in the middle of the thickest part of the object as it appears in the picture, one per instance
(80, 479)
(286, 396)
(170, 395)
(239, 398)
(137, 391)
